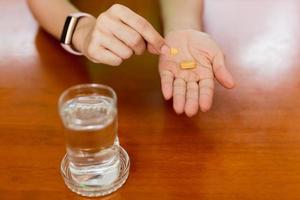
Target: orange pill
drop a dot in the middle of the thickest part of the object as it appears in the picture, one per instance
(188, 65)
(174, 51)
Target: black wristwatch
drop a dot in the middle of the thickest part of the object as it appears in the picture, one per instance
(68, 31)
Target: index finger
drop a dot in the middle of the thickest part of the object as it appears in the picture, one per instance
(141, 25)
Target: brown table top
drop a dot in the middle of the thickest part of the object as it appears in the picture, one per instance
(246, 147)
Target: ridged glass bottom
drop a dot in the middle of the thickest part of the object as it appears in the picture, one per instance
(97, 190)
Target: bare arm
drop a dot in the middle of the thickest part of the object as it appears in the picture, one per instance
(179, 14)
(193, 88)
(51, 15)
(110, 39)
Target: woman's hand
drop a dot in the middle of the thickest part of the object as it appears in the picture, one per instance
(116, 35)
(191, 88)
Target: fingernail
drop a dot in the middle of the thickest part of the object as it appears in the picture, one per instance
(164, 50)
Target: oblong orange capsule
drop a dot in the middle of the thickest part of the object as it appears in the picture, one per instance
(188, 65)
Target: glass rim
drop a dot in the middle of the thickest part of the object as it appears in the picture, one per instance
(87, 85)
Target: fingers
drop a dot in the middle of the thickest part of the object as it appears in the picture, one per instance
(115, 46)
(152, 49)
(192, 96)
(100, 55)
(118, 33)
(127, 35)
(106, 49)
(206, 92)
(179, 92)
(139, 24)
(188, 97)
(221, 73)
(167, 78)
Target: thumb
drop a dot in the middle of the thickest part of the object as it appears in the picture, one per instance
(220, 71)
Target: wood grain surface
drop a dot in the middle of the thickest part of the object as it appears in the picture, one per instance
(246, 147)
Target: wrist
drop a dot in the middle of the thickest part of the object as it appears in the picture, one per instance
(182, 26)
(84, 26)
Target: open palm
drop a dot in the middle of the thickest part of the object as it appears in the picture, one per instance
(192, 88)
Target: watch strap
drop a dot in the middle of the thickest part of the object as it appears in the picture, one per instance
(68, 31)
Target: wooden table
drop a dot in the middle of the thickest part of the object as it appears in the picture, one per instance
(246, 147)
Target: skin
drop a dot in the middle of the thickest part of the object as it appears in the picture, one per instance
(192, 88)
(118, 33)
(114, 36)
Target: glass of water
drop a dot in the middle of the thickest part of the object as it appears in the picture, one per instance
(95, 164)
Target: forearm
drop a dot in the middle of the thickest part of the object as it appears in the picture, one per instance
(51, 15)
(181, 14)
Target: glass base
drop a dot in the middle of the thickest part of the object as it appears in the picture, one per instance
(100, 186)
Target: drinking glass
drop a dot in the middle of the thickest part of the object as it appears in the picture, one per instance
(95, 164)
